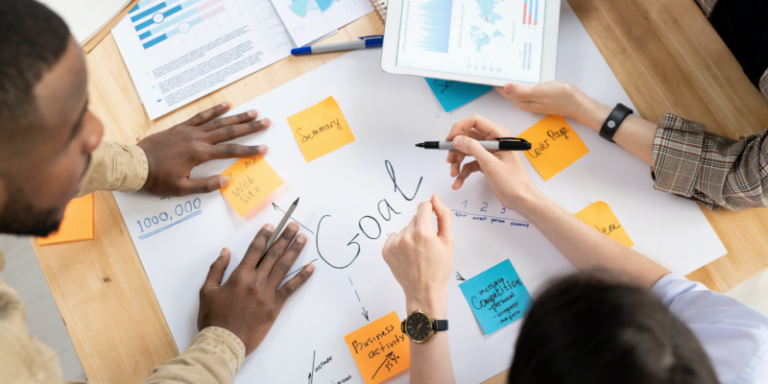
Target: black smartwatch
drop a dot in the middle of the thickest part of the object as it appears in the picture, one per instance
(614, 120)
(420, 327)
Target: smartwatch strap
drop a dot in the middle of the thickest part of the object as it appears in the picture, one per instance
(614, 120)
(440, 325)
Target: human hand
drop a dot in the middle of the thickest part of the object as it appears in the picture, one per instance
(552, 97)
(174, 152)
(248, 303)
(503, 169)
(422, 259)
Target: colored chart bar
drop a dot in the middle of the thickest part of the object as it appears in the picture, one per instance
(530, 13)
(155, 41)
(212, 13)
(525, 10)
(536, 14)
(148, 12)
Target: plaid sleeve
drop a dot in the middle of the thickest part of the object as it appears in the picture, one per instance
(764, 85)
(715, 170)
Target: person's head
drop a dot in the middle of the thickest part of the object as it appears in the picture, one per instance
(46, 130)
(586, 329)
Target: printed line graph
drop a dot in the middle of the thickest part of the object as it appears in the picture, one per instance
(156, 21)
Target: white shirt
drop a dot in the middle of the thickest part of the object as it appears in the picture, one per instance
(734, 335)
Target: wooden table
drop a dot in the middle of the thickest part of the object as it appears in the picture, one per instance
(664, 52)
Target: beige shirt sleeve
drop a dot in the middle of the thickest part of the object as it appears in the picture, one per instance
(116, 167)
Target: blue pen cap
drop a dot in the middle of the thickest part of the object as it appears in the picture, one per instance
(373, 41)
(301, 51)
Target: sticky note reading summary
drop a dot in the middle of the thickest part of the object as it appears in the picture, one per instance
(497, 296)
(600, 216)
(380, 349)
(320, 129)
(554, 146)
(250, 181)
(76, 225)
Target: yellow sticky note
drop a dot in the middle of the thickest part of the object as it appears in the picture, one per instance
(320, 129)
(600, 216)
(554, 146)
(381, 350)
(251, 179)
(76, 225)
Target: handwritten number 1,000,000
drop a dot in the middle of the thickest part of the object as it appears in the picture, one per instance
(179, 210)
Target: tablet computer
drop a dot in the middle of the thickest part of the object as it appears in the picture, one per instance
(492, 42)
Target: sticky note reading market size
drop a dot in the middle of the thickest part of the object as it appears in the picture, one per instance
(497, 296)
(554, 146)
(320, 129)
(600, 216)
(76, 225)
(380, 349)
(250, 181)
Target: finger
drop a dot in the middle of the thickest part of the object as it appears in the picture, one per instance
(231, 132)
(455, 158)
(229, 151)
(286, 261)
(424, 217)
(216, 273)
(210, 113)
(295, 283)
(204, 185)
(444, 218)
(477, 135)
(278, 249)
(256, 249)
(471, 147)
(466, 170)
(481, 124)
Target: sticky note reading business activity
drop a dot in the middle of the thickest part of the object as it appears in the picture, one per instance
(320, 129)
(600, 216)
(554, 146)
(497, 296)
(251, 179)
(380, 349)
(76, 225)
(454, 94)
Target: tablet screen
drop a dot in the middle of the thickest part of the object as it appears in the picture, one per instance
(491, 38)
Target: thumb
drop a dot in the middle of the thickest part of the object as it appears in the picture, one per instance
(444, 218)
(216, 273)
(471, 147)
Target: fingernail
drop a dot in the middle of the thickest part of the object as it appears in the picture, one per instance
(458, 140)
(301, 238)
(225, 104)
(223, 252)
(263, 149)
(508, 88)
(270, 227)
(437, 197)
(266, 122)
(252, 113)
(224, 181)
(310, 268)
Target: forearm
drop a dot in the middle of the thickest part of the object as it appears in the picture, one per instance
(586, 248)
(431, 361)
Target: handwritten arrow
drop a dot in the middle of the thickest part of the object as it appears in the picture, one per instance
(302, 225)
(365, 314)
(459, 277)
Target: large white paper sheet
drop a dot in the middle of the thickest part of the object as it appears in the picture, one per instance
(309, 20)
(388, 115)
(180, 50)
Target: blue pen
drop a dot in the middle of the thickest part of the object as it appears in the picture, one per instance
(372, 41)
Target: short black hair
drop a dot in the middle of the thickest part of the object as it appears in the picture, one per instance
(588, 329)
(32, 40)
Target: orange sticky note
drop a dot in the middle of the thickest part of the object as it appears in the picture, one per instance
(251, 179)
(554, 146)
(600, 216)
(320, 129)
(76, 225)
(381, 350)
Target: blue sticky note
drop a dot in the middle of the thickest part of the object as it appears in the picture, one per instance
(497, 296)
(454, 94)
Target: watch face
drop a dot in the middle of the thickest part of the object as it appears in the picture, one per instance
(418, 326)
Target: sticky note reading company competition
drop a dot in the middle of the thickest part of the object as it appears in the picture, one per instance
(454, 94)
(250, 181)
(380, 349)
(320, 129)
(554, 146)
(600, 216)
(76, 225)
(497, 296)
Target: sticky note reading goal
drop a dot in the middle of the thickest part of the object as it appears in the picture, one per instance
(250, 181)
(554, 146)
(380, 349)
(76, 225)
(600, 216)
(320, 129)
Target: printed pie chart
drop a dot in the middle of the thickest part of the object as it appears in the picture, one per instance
(311, 8)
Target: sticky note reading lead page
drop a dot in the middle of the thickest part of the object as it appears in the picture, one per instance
(380, 349)
(497, 296)
(76, 225)
(554, 146)
(250, 181)
(320, 129)
(600, 216)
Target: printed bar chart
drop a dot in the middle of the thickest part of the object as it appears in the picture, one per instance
(434, 20)
(154, 23)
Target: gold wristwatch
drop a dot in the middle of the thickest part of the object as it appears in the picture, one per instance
(420, 327)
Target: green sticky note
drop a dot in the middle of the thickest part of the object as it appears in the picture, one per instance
(497, 296)
(454, 94)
